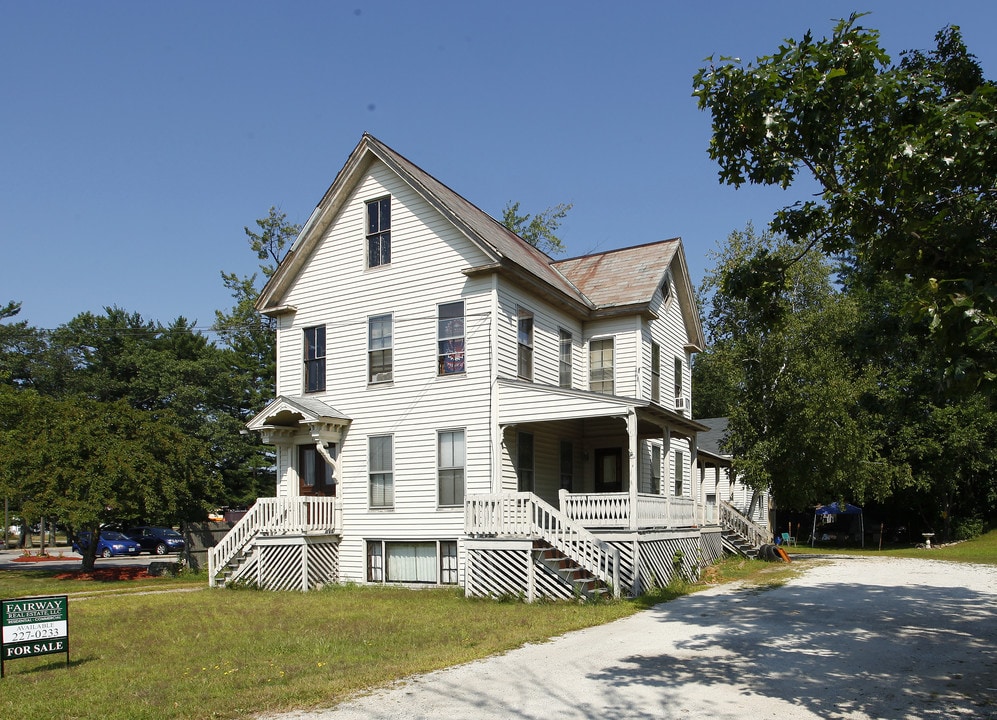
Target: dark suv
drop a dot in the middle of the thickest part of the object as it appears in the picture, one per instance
(159, 540)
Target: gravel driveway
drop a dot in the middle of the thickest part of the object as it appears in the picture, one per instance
(849, 638)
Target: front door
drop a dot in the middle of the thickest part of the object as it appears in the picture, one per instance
(314, 473)
(609, 470)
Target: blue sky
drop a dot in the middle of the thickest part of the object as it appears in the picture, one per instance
(139, 138)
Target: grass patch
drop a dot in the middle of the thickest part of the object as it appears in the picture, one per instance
(981, 550)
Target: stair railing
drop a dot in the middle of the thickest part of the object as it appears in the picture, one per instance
(732, 519)
(273, 516)
(523, 513)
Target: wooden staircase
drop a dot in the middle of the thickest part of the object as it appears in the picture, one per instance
(739, 534)
(582, 583)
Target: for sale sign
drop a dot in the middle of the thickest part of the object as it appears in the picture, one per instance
(34, 626)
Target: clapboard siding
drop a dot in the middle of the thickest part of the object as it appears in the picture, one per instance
(336, 289)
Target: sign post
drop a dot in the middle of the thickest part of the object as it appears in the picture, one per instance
(34, 626)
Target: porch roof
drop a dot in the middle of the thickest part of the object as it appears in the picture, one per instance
(524, 402)
(292, 411)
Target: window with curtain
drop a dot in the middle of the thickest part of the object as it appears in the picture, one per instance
(380, 464)
(450, 471)
(450, 338)
(410, 562)
(601, 366)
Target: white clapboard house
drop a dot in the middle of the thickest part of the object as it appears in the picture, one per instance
(454, 407)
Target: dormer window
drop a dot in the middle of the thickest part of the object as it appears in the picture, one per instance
(379, 232)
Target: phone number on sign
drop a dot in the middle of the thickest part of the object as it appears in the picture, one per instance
(14, 635)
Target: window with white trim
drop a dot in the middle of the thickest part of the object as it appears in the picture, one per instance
(679, 473)
(314, 358)
(381, 473)
(450, 338)
(402, 561)
(601, 366)
(655, 470)
(379, 359)
(564, 358)
(524, 339)
(450, 467)
(378, 232)
(655, 372)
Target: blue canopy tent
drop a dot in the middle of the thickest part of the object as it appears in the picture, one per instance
(837, 508)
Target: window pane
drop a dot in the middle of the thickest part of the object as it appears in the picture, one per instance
(379, 232)
(379, 348)
(314, 353)
(564, 369)
(375, 561)
(450, 337)
(448, 562)
(525, 340)
(382, 491)
(411, 562)
(601, 365)
(451, 467)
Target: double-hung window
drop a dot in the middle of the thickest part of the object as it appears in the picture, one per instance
(524, 338)
(601, 366)
(379, 348)
(315, 358)
(379, 232)
(380, 467)
(564, 358)
(655, 470)
(655, 372)
(450, 469)
(679, 474)
(678, 381)
(450, 338)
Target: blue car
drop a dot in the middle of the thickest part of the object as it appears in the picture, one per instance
(159, 540)
(111, 544)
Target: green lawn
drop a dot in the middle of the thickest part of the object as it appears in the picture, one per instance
(170, 648)
(982, 550)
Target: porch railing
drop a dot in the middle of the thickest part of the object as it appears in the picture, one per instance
(613, 510)
(523, 514)
(275, 516)
(732, 519)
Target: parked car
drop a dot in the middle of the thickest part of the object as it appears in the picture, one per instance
(159, 540)
(110, 543)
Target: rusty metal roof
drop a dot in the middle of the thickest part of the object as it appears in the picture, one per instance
(627, 276)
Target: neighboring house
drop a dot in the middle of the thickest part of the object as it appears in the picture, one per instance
(455, 407)
(718, 480)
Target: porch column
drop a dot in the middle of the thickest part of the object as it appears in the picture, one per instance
(632, 437)
(694, 472)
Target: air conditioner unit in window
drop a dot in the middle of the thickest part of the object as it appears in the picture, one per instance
(681, 404)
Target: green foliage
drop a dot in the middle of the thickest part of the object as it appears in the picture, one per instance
(904, 158)
(778, 367)
(538, 230)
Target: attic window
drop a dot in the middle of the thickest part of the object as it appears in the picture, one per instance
(379, 232)
(666, 287)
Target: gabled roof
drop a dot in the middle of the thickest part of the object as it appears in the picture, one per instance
(506, 250)
(286, 411)
(625, 280)
(603, 275)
